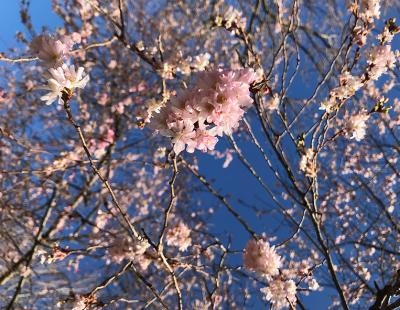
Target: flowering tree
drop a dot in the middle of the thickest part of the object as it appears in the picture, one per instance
(108, 201)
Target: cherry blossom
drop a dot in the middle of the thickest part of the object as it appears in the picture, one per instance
(280, 293)
(370, 10)
(307, 164)
(218, 98)
(357, 126)
(179, 236)
(380, 59)
(288, 89)
(50, 50)
(260, 257)
(65, 77)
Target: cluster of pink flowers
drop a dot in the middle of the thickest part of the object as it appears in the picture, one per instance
(50, 50)
(387, 35)
(260, 257)
(380, 58)
(281, 290)
(356, 126)
(280, 293)
(179, 236)
(370, 9)
(307, 164)
(231, 17)
(194, 64)
(349, 85)
(60, 76)
(211, 108)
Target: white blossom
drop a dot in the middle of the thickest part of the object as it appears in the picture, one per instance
(356, 126)
(280, 293)
(63, 78)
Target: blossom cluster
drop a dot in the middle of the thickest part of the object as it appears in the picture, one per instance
(370, 10)
(185, 66)
(307, 164)
(262, 258)
(61, 77)
(211, 108)
(51, 51)
(356, 125)
(193, 64)
(349, 85)
(380, 58)
(280, 293)
(179, 236)
(231, 19)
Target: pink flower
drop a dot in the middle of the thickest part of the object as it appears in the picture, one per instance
(280, 293)
(205, 140)
(356, 126)
(260, 257)
(179, 236)
(214, 106)
(272, 104)
(50, 50)
(307, 164)
(184, 135)
(380, 59)
(370, 9)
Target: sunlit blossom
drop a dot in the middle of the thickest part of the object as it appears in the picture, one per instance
(64, 77)
(260, 257)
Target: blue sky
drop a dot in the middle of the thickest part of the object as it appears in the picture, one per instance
(10, 19)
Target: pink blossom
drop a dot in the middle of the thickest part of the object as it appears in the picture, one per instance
(179, 236)
(228, 160)
(231, 17)
(349, 84)
(205, 140)
(280, 293)
(50, 50)
(260, 257)
(360, 35)
(380, 59)
(356, 126)
(370, 9)
(273, 103)
(214, 106)
(200, 62)
(307, 164)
